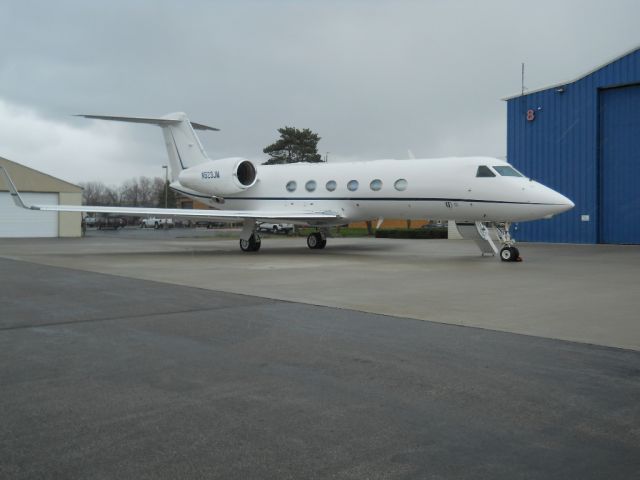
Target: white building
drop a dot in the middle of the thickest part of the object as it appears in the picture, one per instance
(38, 188)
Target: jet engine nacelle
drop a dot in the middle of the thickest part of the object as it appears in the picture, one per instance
(220, 177)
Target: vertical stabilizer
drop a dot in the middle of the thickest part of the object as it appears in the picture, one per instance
(183, 145)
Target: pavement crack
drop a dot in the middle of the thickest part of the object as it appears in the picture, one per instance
(123, 317)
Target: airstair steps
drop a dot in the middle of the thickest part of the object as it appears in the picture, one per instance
(484, 237)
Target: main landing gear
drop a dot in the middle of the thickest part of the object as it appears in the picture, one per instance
(316, 240)
(252, 244)
(508, 252)
(249, 238)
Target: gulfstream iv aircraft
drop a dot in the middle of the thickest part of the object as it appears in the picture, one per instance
(478, 193)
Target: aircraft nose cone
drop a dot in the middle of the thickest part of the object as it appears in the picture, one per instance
(566, 203)
(556, 202)
(561, 203)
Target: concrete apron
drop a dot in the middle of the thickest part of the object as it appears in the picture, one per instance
(582, 293)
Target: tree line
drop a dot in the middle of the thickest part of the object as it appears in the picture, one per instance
(135, 192)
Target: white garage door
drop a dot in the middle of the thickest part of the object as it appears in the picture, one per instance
(18, 222)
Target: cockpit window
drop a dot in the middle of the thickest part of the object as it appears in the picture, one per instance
(507, 171)
(484, 171)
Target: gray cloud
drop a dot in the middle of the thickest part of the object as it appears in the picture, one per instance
(372, 78)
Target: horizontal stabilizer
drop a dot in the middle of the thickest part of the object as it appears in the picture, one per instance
(199, 126)
(166, 121)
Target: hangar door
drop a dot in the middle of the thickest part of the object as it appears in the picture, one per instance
(18, 222)
(620, 165)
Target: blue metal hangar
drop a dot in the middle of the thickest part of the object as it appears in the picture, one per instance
(582, 138)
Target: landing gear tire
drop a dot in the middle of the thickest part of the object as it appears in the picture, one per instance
(316, 242)
(510, 254)
(251, 245)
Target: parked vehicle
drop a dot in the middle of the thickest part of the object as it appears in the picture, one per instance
(208, 224)
(285, 228)
(153, 222)
(110, 223)
(436, 224)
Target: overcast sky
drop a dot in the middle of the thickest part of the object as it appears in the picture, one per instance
(372, 78)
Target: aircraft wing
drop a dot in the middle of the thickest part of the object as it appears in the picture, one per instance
(298, 216)
(222, 215)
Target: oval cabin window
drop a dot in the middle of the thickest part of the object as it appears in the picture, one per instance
(331, 185)
(375, 185)
(401, 185)
(352, 185)
(310, 185)
(291, 186)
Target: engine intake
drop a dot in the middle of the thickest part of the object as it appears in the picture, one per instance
(220, 177)
(246, 173)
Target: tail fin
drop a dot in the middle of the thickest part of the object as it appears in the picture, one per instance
(183, 146)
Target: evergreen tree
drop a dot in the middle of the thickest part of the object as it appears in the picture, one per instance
(294, 146)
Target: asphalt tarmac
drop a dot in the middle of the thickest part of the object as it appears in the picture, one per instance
(583, 293)
(112, 377)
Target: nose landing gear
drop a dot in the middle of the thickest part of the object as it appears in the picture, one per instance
(508, 253)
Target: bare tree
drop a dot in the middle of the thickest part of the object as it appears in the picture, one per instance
(146, 192)
(135, 192)
(130, 193)
(158, 192)
(97, 193)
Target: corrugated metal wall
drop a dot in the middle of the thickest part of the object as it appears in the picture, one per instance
(560, 148)
(620, 165)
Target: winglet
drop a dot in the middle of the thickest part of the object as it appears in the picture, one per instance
(17, 199)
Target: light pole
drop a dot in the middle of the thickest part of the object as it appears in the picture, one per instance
(166, 185)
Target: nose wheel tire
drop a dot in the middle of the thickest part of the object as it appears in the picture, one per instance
(510, 254)
(251, 245)
(316, 242)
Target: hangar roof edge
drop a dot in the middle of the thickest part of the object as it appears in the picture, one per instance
(560, 84)
(50, 183)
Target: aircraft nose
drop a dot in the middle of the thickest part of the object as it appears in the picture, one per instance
(570, 204)
(565, 202)
(561, 202)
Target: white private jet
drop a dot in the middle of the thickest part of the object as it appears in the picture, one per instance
(474, 192)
